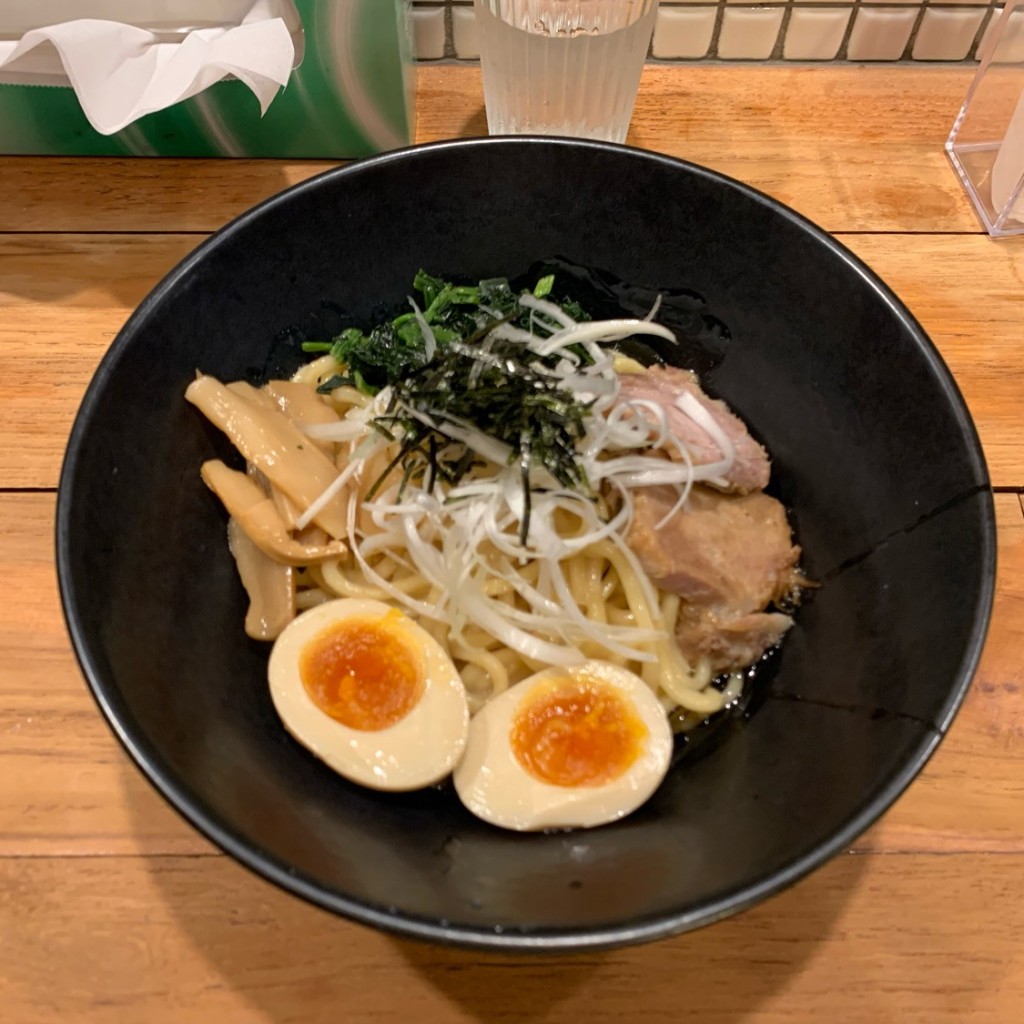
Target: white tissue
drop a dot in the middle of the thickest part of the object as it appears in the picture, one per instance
(122, 71)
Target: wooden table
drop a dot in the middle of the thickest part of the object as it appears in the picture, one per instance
(113, 910)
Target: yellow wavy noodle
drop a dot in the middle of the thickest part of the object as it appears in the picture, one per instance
(317, 371)
(602, 580)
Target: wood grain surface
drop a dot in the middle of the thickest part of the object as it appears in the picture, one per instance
(67, 790)
(113, 911)
(69, 294)
(830, 145)
(195, 940)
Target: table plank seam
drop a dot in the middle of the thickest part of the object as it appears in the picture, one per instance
(110, 232)
(204, 232)
(853, 851)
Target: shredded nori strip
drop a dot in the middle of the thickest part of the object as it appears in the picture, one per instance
(502, 388)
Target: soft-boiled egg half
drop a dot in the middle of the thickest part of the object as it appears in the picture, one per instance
(566, 748)
(371, 693)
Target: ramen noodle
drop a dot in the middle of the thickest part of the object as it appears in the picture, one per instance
(510, 562)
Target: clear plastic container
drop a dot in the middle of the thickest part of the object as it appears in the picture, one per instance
(986, 145)
(563, 67)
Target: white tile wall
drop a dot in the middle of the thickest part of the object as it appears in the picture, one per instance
(795, 30)
(881, 33)
(947, 33)
(1011, 43)
(749, 33)
(815, 33)
(684, 32)
(464, 33)
(428, 28)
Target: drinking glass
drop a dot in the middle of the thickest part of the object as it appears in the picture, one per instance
(563, 67)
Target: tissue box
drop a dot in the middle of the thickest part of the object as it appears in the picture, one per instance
(350, 94)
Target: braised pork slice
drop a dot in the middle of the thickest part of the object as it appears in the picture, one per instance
(663, 385)
(727, 643)
(729, 556)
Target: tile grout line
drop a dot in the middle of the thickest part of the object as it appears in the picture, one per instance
(847, 32)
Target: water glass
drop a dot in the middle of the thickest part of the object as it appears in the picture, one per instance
(563, 67)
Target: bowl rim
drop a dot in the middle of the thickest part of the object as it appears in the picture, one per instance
(585, 938)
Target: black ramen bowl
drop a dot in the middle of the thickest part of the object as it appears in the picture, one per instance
(874, 455)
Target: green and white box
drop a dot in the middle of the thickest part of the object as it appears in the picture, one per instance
(192, 77)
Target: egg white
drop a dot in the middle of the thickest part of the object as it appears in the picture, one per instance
(420, 749)
(493, 784)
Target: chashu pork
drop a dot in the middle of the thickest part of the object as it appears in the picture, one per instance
(730, 557)
(663, 385)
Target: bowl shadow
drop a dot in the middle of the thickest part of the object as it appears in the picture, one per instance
(726, 971)
(279, 953)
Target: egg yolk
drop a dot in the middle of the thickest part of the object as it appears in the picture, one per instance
(577, 734)
(361, 675)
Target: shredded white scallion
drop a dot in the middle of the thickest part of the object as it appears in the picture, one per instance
(330, 492)
(507, 332)
(688, 404)
(429, 341)
(349, 429)
(603, 330)
(464, 539)
(549, 309)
